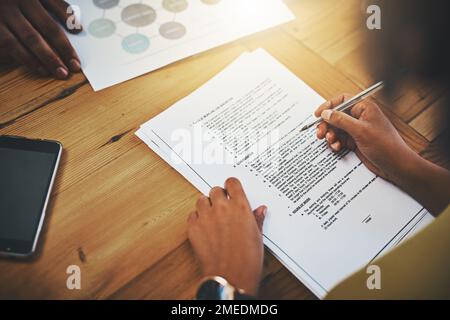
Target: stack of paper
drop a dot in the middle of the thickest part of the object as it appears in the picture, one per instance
(328, 214)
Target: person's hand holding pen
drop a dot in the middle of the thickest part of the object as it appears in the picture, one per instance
(367, 131)
(30, 35)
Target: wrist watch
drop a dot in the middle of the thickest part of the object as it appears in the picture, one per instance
(217, 288)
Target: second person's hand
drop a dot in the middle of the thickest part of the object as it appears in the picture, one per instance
(227, 236)
(368, 132)
(30, 35)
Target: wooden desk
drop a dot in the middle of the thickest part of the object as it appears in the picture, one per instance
(117, 210)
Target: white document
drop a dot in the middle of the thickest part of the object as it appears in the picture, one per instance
(127, 38)
(328, 214)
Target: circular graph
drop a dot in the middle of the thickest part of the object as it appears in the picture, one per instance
(138, 15)
(106, 4)
(172, 30)
(175, 5)
(210, 1)
(135, 43)
(102, 28)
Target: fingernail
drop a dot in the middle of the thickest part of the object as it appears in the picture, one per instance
(335, 145)
(264, 211)
(61, 73)
(75, 65)
(326, 115)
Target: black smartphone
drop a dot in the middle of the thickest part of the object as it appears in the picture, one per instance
(27, 172)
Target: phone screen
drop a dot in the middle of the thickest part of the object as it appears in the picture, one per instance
(26, 171)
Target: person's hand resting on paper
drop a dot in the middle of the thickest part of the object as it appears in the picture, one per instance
(30, 35)
(368, 132)
(227, 236)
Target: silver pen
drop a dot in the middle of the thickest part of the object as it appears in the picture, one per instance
(350, 103)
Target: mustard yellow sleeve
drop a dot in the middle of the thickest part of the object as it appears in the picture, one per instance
(417, 269)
